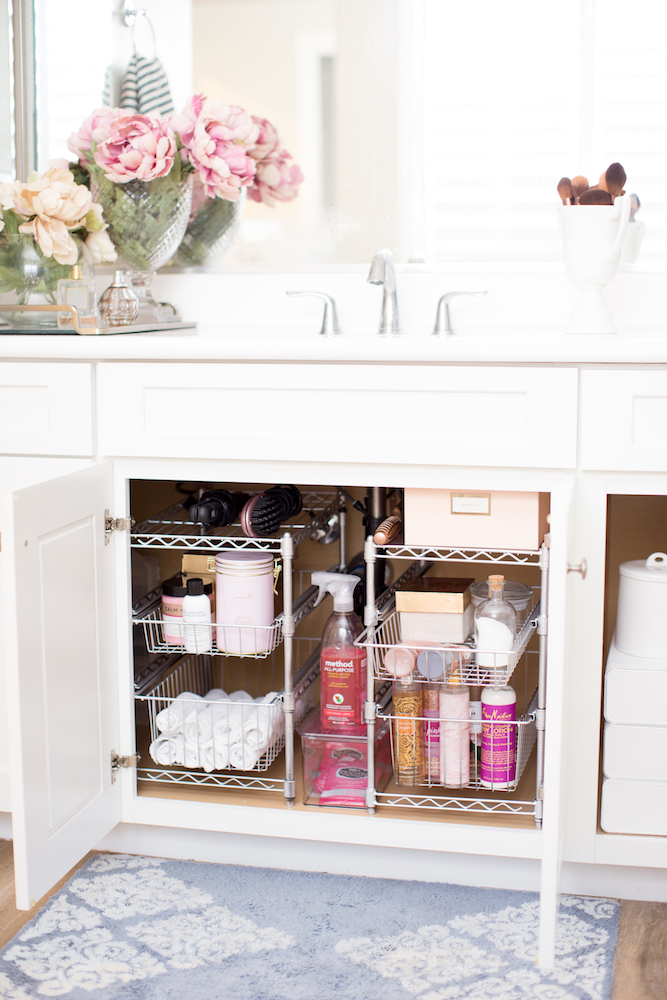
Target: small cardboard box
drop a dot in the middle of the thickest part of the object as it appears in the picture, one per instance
(475, 519)
(435, 594)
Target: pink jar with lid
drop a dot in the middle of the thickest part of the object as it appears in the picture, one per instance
(244, 602)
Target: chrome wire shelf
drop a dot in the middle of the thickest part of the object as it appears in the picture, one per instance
(520, 738)
(377, 639)
(516, 557)
(255, 641)
(512, 807)
(170, 529)
(216, 779)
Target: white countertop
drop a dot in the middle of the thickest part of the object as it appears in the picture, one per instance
(217, 345)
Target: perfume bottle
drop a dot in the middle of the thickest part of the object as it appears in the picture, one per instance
(80, 292)
(119, 305)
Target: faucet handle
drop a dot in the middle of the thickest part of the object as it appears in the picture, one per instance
(330, 325)
(442, 318)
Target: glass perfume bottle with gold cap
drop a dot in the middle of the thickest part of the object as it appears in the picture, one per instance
(80, 292)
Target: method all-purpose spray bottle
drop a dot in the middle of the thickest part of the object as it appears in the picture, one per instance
(342, 664)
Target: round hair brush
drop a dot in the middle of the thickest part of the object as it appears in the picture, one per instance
(264, 513)
(215, 507)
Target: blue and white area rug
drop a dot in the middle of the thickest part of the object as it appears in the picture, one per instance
(148, 929)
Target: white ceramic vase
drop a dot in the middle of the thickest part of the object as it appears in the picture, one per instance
(592, 240)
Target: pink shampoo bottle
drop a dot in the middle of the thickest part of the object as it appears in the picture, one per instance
(342, 664)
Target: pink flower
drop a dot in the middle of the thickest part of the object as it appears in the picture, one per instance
(139, 147)
(217, 139)
(275, 179)
(96, 129)
(268, 140)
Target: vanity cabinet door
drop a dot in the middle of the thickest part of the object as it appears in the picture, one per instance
(437, 415)
(46, 409)
(58, 642)
(624, 420)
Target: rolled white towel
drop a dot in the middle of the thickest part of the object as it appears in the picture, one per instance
(172, 718)
(198, 726)
(240, 696)
(227, 724)
(243, 757)
(167, 750)
(216, 694)
(261, 725)
(221, 757)
(199, 756)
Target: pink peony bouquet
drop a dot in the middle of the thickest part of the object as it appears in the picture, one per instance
(275, 178)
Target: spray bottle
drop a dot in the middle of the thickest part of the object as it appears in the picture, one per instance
(342, 665)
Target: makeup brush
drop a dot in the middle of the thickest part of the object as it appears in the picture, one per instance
(565, 190)
(579, 185)
(595, 196)
(615, 178)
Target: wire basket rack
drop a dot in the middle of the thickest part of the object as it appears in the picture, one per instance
(257, 641)
(171, 529)
(443, 752)
(219, 742)
(474, 667)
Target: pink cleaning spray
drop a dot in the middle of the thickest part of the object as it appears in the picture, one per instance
(342, 665)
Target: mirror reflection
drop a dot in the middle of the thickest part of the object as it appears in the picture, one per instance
(435, 128)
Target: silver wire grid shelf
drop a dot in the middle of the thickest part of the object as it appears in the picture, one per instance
(516, 557)
(173, 636)
(245, 738)
(513, 744)
(476, 668)
(170, 529)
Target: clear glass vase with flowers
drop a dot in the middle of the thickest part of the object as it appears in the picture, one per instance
(49, 223)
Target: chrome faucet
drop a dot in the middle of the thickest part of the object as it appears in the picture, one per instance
(382, 273)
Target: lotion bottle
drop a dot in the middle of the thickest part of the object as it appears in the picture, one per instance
(196, 618)
(342, 664)
(498, 756)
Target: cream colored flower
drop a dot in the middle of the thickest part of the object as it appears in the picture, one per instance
(55, 196)
(100, 247)
(8, 192)
(53, 239)
(94, 220)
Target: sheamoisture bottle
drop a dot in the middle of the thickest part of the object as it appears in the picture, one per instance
(342, 665)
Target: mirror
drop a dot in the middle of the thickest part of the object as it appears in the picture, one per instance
(433, 127)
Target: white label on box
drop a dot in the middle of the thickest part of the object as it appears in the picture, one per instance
(471, 503)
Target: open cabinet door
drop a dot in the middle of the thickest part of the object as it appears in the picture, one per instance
(560, 595)
(58, 618)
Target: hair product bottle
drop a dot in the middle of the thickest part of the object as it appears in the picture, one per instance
(196, 618)
(455, 734)
(498, 757)
(408, 736)
(342, 664)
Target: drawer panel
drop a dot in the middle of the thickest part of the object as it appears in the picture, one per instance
(624, 421)
(408, 414)
(46, 409)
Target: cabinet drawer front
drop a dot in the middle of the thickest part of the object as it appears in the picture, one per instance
(46, 409)
(624, 421)
(337, 413)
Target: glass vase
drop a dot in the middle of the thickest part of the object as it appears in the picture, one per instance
(27, 277)
(213, 227)
(147, 221)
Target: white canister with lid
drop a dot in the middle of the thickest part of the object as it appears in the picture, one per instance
(244, 602)
(641, 616)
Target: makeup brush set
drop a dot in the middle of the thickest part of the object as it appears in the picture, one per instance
(260, 515)
(610, 186)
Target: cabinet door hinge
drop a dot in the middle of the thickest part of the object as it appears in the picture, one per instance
(129, 760)
(115, 524)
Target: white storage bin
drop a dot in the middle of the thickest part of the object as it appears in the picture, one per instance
(635, 752)
(634, 807)
(635, 689)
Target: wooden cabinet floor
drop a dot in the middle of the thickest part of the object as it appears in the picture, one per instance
(640, 964)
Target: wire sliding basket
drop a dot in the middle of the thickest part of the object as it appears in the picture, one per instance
(257, 641)
(445, 753)
(473, 667)
(171, 529)
(210, 742)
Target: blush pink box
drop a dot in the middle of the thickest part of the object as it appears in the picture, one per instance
(475, 519)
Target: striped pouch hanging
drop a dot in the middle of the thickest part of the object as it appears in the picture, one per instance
(145, 87)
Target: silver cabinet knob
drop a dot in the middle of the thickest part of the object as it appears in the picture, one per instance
(330, 325)
(442, 318)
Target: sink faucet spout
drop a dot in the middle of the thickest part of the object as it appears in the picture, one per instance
(382, 273)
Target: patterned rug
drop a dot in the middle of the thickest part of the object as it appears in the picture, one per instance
(149, 929)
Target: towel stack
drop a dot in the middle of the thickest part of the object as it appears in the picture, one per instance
(217, 731)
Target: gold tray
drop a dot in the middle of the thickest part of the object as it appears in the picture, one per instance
(81, 330)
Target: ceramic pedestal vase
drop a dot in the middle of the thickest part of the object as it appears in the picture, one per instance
(211, 232)
(592, 240)
(147, 220)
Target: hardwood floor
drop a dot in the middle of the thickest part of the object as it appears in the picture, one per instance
(640, 965)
